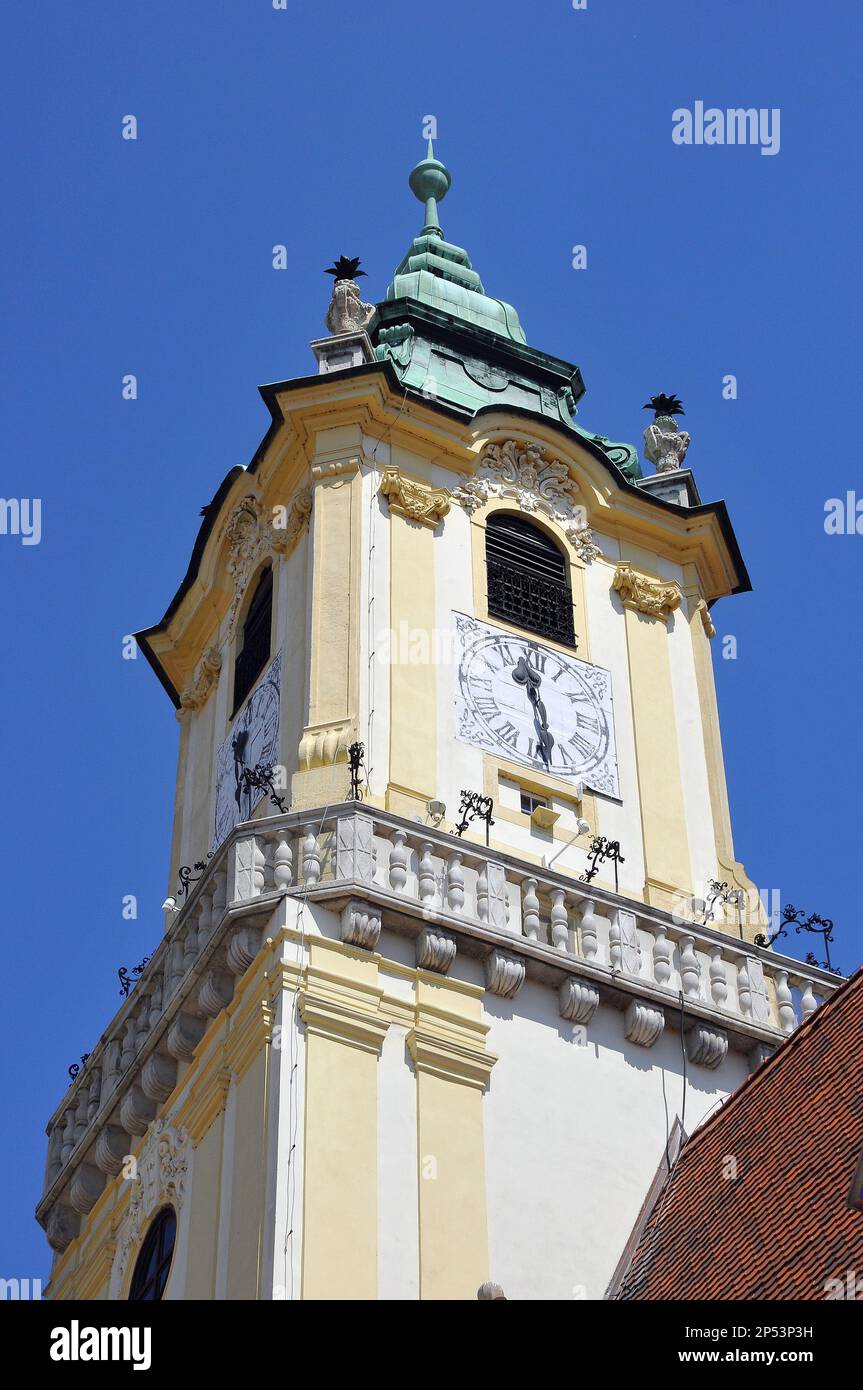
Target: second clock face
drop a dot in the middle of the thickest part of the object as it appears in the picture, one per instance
(535, 705)
(253, 739)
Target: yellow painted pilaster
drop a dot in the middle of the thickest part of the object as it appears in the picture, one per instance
(452, 1064)
(335, 627)
(663, 816)
(345, 1029)
(413, 688)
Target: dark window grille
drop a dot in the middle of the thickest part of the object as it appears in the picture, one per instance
(154, 1262)
(527, 578)
(254, 648)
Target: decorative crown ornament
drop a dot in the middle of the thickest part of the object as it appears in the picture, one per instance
(664, 444)
(347, 313)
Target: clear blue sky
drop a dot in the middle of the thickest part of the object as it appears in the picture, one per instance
(259, 126)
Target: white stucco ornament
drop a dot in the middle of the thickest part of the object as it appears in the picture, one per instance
(537, 481)
(162, 1169)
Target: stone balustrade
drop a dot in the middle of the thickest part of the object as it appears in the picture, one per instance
(451, 895)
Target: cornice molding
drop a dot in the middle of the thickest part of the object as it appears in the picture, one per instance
(648, 596)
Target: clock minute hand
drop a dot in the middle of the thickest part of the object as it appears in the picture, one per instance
(524, 674)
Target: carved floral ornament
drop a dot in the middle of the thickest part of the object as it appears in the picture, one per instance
(643, 595)
(162, 1168)
(252, 532)
(415, 501)
(538, 482)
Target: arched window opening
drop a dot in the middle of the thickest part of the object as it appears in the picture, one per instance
(253, 647)
(153, 1264)
(528, 578)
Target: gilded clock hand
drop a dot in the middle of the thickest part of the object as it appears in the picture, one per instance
(524, 674)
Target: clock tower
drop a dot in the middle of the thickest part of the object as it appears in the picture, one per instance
(456, 927)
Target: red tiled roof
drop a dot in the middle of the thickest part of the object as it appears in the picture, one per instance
(782, 1227)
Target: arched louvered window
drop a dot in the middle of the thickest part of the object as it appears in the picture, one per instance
(253, 647)
(153, 1265)
(528, 581)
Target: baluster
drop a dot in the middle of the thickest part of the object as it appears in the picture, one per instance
(455, 883)
(283, 861)
(190, 945)
(127, 1055)
(690, 970)
(68, 1143)
(205, 917)
(662, 951)
(530, 910)
(259, 867)
(744, 988)
(589, 925)
(155, 1010)
(718, 982)
(559, 921)
(220, 896)
(141, 1028)
(808, 1002)
(111, 1068)
(615, 945)
(81, 1111)
(785, 1003)
(55, 1154)
(311, 858)
(94, 1094)
(482, 892)
(427, 881)
(398, 862)
(175, 966)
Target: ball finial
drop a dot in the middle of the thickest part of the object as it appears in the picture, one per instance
(430, 181)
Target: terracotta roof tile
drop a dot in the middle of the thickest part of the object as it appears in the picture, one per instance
(782, 1227)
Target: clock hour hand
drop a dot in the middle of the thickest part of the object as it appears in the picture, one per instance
(524, 674)
(238, 743)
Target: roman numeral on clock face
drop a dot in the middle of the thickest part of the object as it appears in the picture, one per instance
(508, 733)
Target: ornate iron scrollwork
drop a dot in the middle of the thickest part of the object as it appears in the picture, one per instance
(475, 806)
(600, 850)
(817, 925)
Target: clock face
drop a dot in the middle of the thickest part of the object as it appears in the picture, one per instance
(534, 705)
(253, 739)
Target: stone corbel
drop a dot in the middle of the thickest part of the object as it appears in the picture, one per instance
(578, 1000)
(642, 1024)
(643, 595)
(61, 1227)
(86, 1187)
(706, 1046)
(504, 974)
(197, 691)
(435, 950)
(289, 523)
(360, 925)
(414, 501)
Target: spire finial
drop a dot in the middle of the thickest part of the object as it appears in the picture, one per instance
(430, 182)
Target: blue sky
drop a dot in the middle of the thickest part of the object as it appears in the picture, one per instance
(259, 126)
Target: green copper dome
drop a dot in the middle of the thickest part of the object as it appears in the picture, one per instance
(440, 275)
(453, 343)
